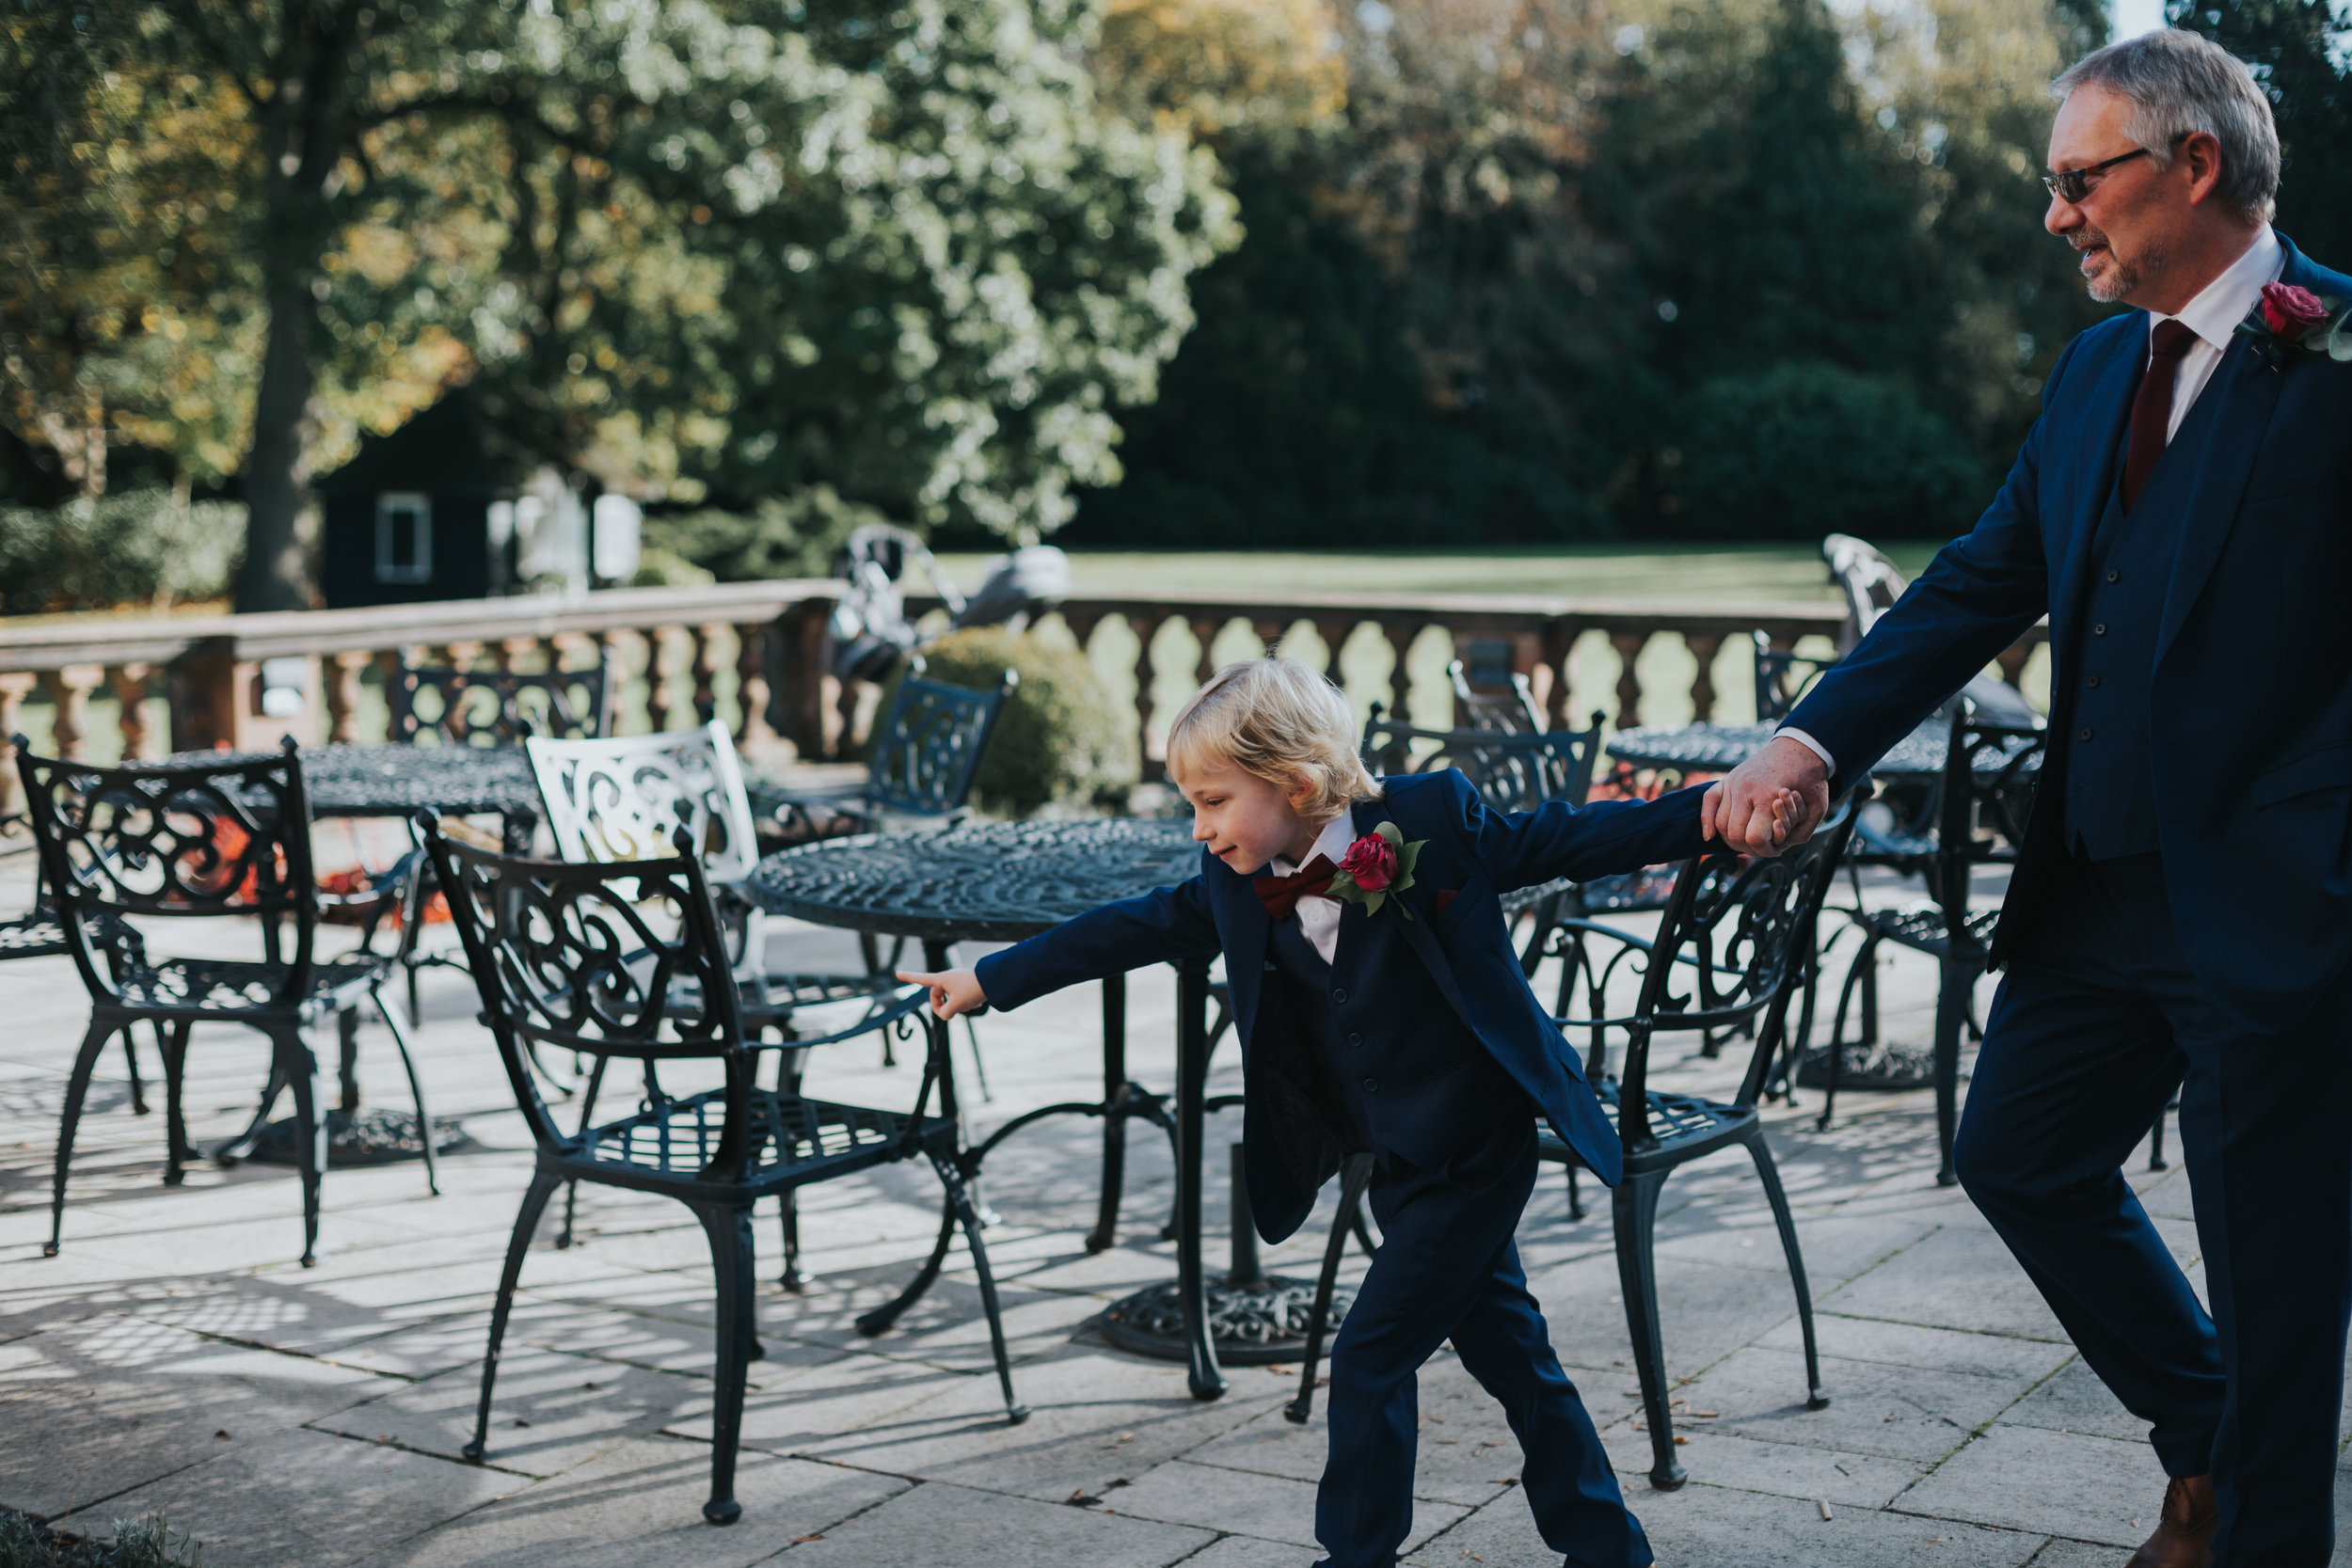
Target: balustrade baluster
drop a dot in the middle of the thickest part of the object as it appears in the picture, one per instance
(706, 666)
(1145, 630)
(13, 690)
(752, 694)
(131, 684)
(1559, 639)
(1704, 646)
(70, 688)
(1401, 635)
(661, 670)
(342, 696)
(463, 656)
(514, 652)
(1335, 635)
(1629, 646)
(1204, 629)
(2012, 662)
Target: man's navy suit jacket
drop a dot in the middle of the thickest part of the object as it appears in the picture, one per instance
(2250, 692)
(1472, 855)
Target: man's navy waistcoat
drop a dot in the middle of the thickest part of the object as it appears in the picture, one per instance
(2248, 679)
(1428, 988)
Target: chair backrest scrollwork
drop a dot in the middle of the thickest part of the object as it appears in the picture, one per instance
(928, 746)
(1512, 710)
(1733, 947)
(1514, 770)
(1783, 676)
(1990, 774)
(625, 798)
(230, 837)
(498, 707)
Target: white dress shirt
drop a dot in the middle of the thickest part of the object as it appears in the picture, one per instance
(1318, 915)
(2213, 315)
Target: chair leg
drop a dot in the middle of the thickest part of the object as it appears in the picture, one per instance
(564, 1238)
(1636, 1201)
(730, 1229)
(788, 1224)
(879, 1321)
(177, 1151)
(1865, 964)
(94, 1040)
(1352, 1181)
(299, 1063)
(526, 1227)
(959, 1203)
(399, 1027)
(130, 1062)
(1769, 1173)
(1576, 1195)
(2156, 1142)
(979, 1067)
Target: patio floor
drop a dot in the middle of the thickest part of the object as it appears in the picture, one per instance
(175, 1357)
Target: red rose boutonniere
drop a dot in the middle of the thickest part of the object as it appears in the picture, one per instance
(2288, 317)
(1374, 866)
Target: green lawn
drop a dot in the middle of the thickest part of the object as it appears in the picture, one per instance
(1693, 574)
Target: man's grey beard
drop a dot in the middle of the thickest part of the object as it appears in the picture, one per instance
(2122, 278)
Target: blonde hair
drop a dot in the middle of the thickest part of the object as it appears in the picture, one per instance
(1279, 721)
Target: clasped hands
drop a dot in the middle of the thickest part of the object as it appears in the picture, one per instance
(1771, 802)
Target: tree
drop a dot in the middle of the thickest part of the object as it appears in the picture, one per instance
(2302, 51)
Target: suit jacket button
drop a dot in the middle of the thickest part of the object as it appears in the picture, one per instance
(2086, 731)
(2115, 575)
(2099, 630)
(1354, 1039)
(1372, 1085)
(2094, 681)
(1339, 994)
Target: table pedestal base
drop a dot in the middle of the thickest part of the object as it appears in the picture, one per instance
(377, 1137)
(1251, 1324)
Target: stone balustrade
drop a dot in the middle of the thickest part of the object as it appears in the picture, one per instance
(755, 655)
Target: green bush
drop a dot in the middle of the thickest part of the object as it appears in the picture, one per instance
(784, 536)
(1060, 741)
(136, 546)
(138, 1544)
(1807, 448)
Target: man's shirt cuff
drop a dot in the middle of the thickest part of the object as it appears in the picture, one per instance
(1786, 732)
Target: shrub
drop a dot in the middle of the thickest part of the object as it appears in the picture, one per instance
(133, 547)
(138, 1544)
(1059, 742)
(1807, 448)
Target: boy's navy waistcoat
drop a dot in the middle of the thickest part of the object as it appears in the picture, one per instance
(2229, 698)
(1432, 995)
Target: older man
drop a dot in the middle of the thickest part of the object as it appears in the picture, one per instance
(2182, 910)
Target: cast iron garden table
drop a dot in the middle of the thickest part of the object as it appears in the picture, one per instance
(1003, 882)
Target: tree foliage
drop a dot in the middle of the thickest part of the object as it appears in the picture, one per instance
(2302, 50)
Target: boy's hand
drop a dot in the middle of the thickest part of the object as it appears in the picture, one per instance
(953, 991)
(1744, 807)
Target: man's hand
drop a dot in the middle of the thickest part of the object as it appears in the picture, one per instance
(953, 991)
(1771, 802)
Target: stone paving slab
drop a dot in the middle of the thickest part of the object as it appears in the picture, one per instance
(177, 1312)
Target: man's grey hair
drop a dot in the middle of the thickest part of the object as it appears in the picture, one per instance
(2177, 82)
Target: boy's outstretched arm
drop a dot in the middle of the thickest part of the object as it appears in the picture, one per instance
(1156, 927)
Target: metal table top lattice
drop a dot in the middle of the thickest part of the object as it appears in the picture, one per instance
(1720, 748)
(398, 781)
(995, 881)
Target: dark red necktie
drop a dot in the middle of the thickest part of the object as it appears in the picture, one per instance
(2151, 410)
(1280, 895)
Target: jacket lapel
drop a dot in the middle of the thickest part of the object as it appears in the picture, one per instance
(2249, 389)
(1418, 936)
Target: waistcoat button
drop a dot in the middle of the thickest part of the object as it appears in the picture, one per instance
(2114, 576)
(2086, 731)
(1339, 994)
(1354, 1039)
(2099, 630)
(1372, 1085)
(2094, 680)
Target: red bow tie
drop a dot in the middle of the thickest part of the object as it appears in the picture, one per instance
(1280, 895)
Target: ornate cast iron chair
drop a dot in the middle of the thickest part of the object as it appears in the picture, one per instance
(38, 933)
(627, 959)
(1512, 710)
(1731, 948)
(1987, 792)
(203, 841)
(1783, 678)
(628, 798)
(499, 707)
(927, 750)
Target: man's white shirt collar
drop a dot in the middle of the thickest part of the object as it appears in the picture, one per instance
(2214, 313)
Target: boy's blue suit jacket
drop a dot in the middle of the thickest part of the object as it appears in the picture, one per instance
(1470, 852)
(2251, 695)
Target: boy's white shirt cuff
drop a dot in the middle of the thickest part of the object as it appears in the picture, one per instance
(1786, 732)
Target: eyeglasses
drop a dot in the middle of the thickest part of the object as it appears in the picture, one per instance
(2074, 184)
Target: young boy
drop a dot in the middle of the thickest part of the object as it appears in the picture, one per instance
(1379, 1007)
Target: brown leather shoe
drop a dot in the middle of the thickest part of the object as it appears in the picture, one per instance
(2184, 1534)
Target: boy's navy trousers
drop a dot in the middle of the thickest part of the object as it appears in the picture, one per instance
(1447, 1270)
